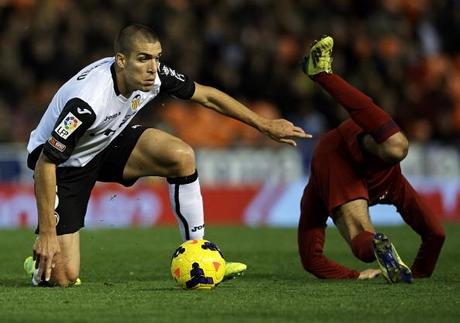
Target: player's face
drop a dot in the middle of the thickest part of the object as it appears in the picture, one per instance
(141, 66)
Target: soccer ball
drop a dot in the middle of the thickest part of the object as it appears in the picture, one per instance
(198, 264)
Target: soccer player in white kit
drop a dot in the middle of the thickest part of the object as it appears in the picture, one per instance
(84, 136)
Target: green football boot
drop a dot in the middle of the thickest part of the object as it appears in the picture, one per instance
(234, 269)
(320, 57)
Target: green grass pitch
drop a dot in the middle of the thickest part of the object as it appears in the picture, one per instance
(126, 278)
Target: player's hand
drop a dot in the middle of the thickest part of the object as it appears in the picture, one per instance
(46, 247)
(369, 274)
(284, 131)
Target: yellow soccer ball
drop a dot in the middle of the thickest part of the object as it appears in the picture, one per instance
(198, 264)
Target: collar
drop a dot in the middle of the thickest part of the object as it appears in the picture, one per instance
(114, 78)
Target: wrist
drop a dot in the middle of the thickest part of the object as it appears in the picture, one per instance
(47, 231)
(262, 124)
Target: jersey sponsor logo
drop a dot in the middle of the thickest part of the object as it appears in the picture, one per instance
(68, 126)
(83, 111)
(112, 116)
(57, 144)
(136, 102)
(169, 71)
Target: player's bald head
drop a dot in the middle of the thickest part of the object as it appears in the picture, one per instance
(131, 34)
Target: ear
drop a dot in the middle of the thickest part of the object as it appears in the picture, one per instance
(120, 60)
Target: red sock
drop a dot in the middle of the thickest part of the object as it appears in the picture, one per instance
(370, 117)
(362, 246)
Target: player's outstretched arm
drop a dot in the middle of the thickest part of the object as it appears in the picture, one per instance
(280, 130)
(311, 249)
(46, 246)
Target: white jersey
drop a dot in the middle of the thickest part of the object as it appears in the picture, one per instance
(87, 113)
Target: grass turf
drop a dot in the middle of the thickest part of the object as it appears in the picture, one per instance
(126, 278)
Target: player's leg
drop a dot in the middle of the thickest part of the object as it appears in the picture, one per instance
(67, 264)
(151, 152)
(353, 222)
(419, 216)
(157, 153)
(383, 137)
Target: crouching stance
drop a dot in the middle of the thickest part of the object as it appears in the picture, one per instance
(85, 136)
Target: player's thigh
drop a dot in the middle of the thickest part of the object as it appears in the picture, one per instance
(67, 262)
(158, 153)
(352, 218)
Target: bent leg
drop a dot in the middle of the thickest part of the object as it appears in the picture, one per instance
(160, 154)
(354, 224)
(68, 260)
(66, 263)
(383, 136)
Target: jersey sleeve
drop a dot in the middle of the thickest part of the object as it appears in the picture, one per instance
(175, 84)
(76, 117)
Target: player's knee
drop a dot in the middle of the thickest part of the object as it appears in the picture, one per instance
(72, 276)
(183, 160)
(66, 278)
(396, 148)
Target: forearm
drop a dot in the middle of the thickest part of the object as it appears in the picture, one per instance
(226, 105)
(45, 193)
(324, 268)
(311, 244)
(427, 256)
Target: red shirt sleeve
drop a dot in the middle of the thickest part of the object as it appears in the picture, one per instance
(311, 249)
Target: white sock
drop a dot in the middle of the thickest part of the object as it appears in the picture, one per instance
(187, 205)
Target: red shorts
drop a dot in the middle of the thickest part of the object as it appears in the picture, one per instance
(340, 173)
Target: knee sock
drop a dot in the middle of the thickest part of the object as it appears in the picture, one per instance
(187, 205)
(370, 117)
(362, 246)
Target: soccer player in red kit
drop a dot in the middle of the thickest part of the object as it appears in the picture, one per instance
(354, 166)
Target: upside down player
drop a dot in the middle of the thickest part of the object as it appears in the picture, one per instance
(84, 137)
(354, 166)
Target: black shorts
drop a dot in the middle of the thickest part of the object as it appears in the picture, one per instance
(74, 184)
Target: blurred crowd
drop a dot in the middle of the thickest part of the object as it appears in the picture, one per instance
(405, 54)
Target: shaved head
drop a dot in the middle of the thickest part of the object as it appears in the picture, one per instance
(131, 34)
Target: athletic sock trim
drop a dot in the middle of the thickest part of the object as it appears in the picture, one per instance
(385, 131)
(184, 179)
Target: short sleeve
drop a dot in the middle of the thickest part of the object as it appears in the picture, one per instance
(176, 84)
(76, 117)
